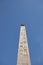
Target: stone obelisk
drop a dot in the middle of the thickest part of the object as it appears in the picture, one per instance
(23, 57)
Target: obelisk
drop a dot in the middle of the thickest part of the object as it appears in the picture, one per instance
(23, 57)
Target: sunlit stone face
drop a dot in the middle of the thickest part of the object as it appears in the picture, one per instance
(23, 52)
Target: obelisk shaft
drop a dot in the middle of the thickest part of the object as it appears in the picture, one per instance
(23, 57)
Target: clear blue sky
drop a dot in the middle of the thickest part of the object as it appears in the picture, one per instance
(12, 14)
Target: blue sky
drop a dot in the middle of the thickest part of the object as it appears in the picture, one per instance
(12, 14)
